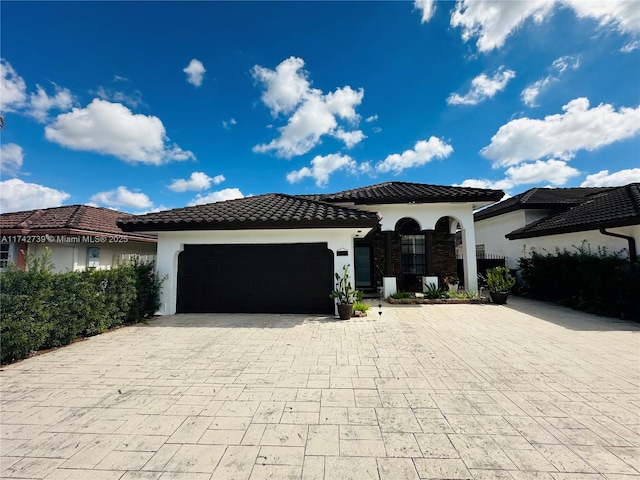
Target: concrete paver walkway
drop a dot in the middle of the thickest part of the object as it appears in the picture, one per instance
(518, 392)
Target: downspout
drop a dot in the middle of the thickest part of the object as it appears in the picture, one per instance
(633, 258)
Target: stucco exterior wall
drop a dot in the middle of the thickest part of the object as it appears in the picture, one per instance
(170, 244)
(68, 257)
(491, 233)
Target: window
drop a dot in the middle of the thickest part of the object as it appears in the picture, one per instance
(4, 255)
(413, 255)
(480, 251)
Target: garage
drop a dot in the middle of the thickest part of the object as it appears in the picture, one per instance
(249, 278)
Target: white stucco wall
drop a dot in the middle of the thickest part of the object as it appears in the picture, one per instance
(491, 233)
(170, 244)
(73, 256)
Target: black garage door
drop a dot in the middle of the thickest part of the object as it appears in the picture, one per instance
(276, 278)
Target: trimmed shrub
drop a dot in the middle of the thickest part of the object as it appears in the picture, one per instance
(600, 283)
(43, 310)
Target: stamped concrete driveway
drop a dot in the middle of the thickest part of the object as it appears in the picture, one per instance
(523, 391)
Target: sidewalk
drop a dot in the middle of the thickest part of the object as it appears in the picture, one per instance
(522, 391)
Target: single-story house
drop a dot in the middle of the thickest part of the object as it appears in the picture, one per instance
(549, 218)
(280, 253)
(78, 236)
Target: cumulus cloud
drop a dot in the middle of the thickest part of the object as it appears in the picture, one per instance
(490, 22)
(427, 9)
(13, 87)
(562, 135)
(555, 172)
(371, 118)
(122, 197)
(16, 195)
(605, 179)
(483, 87)
(228, 124)
(197, 181)
(322, 167)
(11, 157)
(313, 114)
(530, 94)
(423, 152)
(40, 103)
(219, 196)
(195, 72)
(112, 129)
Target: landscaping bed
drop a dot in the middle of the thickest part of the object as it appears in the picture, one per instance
(437, 301)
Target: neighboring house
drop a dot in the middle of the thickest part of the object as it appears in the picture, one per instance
(78, 236)
(279, 253)
(546, 219)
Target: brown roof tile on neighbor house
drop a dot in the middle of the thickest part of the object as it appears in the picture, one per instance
(407, 192)
(274, 210)
(540, 198)
(67, 220)
(612, 207)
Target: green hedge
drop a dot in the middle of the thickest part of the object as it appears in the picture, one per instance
(600, 283)
(42, 310)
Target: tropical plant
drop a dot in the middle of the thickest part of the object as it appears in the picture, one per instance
(400, 295)
(432, 291)
(500, 280)
(360, 307)
(344, 293)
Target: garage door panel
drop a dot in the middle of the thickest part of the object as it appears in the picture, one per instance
(281, 278)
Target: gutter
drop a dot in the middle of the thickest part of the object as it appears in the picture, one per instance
(633, 257)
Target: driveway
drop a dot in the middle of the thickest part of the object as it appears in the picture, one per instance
(522, 391)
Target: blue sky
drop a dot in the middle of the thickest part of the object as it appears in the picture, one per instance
(153, 105)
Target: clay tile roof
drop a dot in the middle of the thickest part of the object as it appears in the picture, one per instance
(611, 207)
(406, 192)
(71, 219)
(274, 210)
(540, 198)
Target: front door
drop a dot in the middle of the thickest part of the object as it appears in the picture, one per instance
(364, 271)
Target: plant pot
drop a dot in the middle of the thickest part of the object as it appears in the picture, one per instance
(345, 311)
(499, 298)
(453, 287)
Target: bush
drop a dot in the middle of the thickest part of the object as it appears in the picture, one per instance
(600, 283)
(42, 310)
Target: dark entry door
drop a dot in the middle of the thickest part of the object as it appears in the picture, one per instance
(364, 277)
(276, 278)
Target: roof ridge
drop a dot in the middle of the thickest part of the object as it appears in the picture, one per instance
(633, 189)
(76, 217)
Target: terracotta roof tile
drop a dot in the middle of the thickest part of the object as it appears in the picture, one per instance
(611, 207)
(67, 219)
(403, 192)
(274, 210)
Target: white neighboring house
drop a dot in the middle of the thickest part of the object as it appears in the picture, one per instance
(279, 253)
(545, 219)
(77, 235)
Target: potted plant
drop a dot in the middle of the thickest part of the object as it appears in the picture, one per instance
(452, 282)
(499, 282)
(344, 294)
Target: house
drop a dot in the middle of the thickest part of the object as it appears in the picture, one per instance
(78, 236)
(279, 253)
(546, 219)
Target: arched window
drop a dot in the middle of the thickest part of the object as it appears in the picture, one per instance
(412, 243)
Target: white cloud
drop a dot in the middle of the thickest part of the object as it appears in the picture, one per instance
(133, 99)
(122, 197)
(604, 179)
(313, 114)
(483, 87)
(555, 172)
(40, 102)
(631, 46)
(11, 157)
(371, 118)
(219, 196)
(423, 152)
(195, 72)
(427, 9)
(112, 129)
(16, 195)
(560, 65)
(197, 181)
(228, 124)
(13, 88)
(561, 135)
(322, 167)
(491, 22)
